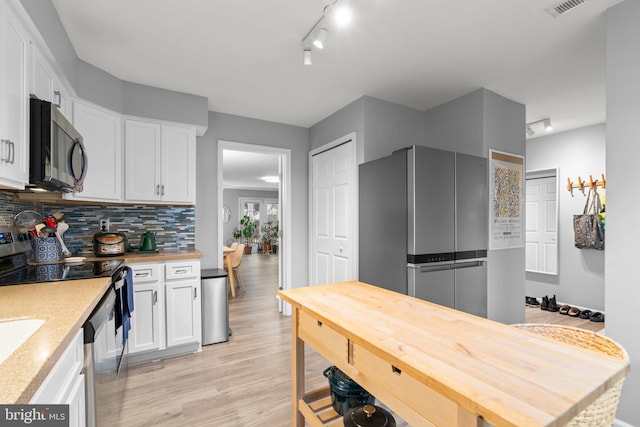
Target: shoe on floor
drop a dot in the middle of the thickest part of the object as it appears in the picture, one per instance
(565, 309)
(597, 317)
(553, 305)
(586, 314)
(545, 303)
(574, 312)
(532, 302)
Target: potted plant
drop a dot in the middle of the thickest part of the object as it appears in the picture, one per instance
(245, 230)
(270, 231)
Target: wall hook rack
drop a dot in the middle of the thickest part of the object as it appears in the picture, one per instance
(581, 184)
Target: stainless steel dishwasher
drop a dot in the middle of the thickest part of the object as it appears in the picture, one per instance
(105, 365)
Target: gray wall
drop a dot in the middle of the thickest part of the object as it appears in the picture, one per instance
(250, 131)
(230, 197)
(104, 89)
(622, 291)
(380, 126)
(504, 129)
(580, 152)
(457, 125)
(342, 122)
(473, 124)
(389, 126)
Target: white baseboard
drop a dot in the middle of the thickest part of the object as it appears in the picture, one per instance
(619, 423)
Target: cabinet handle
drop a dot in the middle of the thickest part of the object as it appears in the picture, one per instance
(195, 293)
(8, 159)
(143, 274)
(162, 191)
(181, 271)
(155, 297)
(57, 93)
(158, 190)
(13, 152)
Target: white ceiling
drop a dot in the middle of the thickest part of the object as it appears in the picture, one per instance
(246, 56)
(243, 169)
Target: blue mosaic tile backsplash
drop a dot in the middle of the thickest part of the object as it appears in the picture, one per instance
(174, 225)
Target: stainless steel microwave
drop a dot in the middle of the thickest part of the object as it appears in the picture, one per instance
(58, 159)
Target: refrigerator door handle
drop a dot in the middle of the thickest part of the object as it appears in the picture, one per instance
(429, 268)
(468, 264)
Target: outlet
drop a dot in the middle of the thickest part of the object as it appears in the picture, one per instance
(104, 224)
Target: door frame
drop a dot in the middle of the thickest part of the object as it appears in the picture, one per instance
(350, 138)
(284, 190)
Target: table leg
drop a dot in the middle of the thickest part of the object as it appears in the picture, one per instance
(232, 282)
(297, 371)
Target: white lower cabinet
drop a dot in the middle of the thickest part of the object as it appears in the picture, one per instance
(146, 333)
(183, 303)
(166, 307)
(65, 383)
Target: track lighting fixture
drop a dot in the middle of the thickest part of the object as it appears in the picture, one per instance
(545, 122)
(334, 14)
(320, 37)
(530, 132)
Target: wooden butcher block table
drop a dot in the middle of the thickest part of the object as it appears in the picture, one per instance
(433, 365)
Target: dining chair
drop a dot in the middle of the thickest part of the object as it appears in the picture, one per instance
(236, 259)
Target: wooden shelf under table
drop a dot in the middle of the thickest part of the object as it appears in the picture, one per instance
(318, 412)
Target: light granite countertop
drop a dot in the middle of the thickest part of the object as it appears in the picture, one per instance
(64, 307)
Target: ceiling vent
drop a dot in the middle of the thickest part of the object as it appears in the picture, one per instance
(564, 7)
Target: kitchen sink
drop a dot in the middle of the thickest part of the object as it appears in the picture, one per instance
(14, 333)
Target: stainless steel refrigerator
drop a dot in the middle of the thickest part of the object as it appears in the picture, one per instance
(423, 226)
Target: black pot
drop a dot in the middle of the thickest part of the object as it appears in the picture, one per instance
(345, 393)
(368, 416)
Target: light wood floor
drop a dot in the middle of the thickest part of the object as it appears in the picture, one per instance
(243, 382)
(246, 381)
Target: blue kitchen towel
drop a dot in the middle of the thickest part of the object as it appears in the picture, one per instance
(127, 304)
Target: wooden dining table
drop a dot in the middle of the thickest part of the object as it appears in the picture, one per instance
(227, 251)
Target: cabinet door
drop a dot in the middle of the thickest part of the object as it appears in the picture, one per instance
(142, 161)
(183, 312)
(102, 135)
(77, 403)
(42, 77)
(145, 331)
(178, 164)
(14, 106)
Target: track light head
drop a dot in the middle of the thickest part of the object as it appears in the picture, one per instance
(307, 57)
(320, 37)
(530, 132)
(547, 125)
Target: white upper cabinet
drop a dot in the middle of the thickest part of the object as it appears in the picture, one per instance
(101, 132)
(46, 85)
(14, 100)
(159, 163)
(178, 164)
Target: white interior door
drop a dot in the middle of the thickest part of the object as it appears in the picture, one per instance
(334, 211)
(541, 220)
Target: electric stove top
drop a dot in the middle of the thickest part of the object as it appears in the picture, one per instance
(57, 272)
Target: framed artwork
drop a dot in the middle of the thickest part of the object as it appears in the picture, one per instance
(506, 207)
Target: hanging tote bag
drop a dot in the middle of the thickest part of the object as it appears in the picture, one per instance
(586, 227)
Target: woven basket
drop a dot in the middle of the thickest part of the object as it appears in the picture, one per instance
(602, 412)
